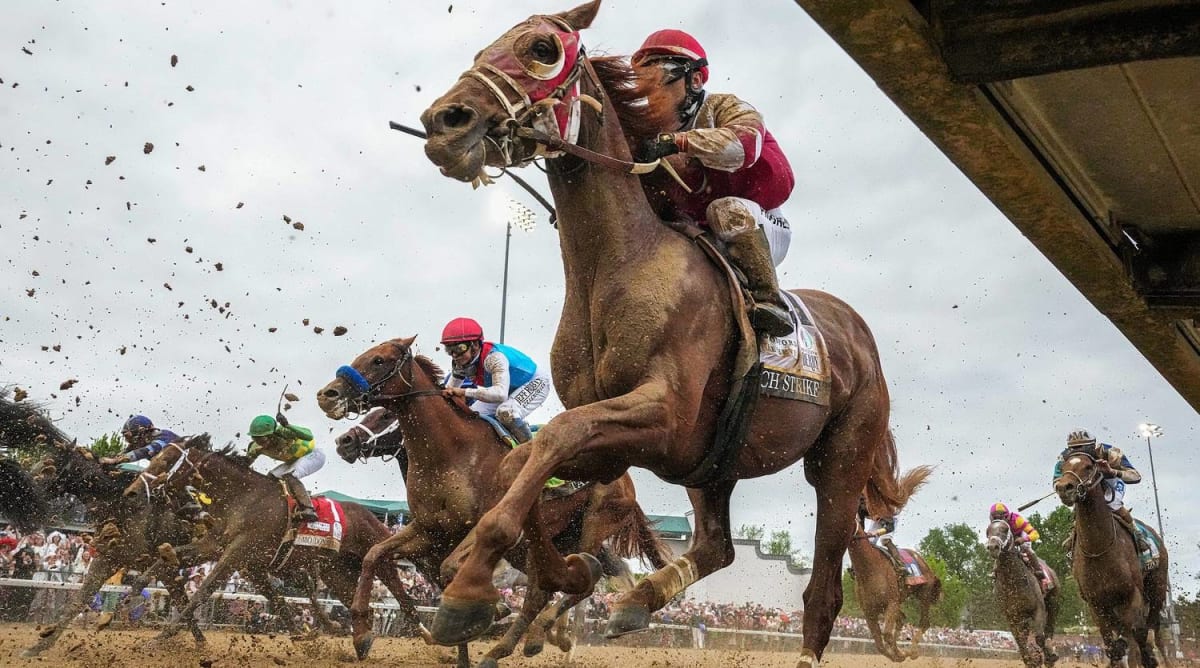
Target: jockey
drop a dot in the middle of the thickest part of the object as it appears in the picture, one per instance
(1118, 472)
(879, 532)
(507, 383)
(292, 445)
(1024, 535)
(143, 440)
(746, 177)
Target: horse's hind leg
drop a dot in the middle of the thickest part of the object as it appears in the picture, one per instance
(877, 636)
(919, 633)
(102, 568)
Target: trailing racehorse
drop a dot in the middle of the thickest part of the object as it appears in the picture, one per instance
(882, 591)
(646, 347)
(1126, 600)
(453, 461)
(255, 517)
(128, 530)
(1030, 612)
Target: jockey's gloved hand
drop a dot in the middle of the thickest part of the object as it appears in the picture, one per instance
(660, 146)
(283, 421)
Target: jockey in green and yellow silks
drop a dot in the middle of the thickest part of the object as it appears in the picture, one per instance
(292, 445)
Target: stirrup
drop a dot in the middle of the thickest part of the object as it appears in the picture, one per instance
(770, 319)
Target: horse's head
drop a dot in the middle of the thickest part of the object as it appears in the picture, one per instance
(1080, 472)
(376, 435)
(383, 372)
(517, 81)
(999, 537)
(174, 467)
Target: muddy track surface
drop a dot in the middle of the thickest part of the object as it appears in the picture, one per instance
(234, 650)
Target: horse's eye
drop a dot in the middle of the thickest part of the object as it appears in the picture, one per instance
(377, 361)
(544, 51)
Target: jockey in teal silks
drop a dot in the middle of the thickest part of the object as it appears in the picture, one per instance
(508, 384)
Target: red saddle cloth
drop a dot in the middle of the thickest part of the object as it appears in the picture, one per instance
(915, 576)
(326, 532)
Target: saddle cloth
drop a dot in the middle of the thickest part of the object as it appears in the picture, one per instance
(909, 559)
(796, 366)
(1149, 559)
(326, 532)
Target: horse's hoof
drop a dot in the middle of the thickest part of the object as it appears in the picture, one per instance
(533, 649)
(362, 646)
(488, 662)
(808, 659)
(461, 621)
(627, 619)
(30, 653)
(594, 570)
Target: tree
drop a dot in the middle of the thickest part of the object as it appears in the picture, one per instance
(750, 532)
(780, 543)
(108, 445)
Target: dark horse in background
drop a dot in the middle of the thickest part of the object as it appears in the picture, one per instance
(882, 591)
(254, 515)
(1030, 612)
(128, 531)
(454, 458)
(646, 348)
(1126, 600)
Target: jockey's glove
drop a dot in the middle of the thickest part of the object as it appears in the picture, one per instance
(664, 144)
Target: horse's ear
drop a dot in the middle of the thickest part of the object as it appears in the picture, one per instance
(406, 342)
(582, 16)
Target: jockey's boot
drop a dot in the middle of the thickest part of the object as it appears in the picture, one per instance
(897, 558)
(1126, 520)
(519, 429)
(750, 252)
(304, 506)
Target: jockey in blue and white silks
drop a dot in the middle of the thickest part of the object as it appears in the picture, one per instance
(143, 440)
(1118, 472)
(508, 384)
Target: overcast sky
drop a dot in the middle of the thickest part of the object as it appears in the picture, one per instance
(280, 109)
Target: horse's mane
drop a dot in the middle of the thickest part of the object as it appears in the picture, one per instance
(435, 372)
(629, 95)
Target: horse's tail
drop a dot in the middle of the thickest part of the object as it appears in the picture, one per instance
(636, 539)
(888, 491)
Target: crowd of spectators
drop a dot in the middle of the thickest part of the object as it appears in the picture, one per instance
(56, 556)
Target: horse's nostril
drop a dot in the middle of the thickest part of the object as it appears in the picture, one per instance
(453, 117)
(331, 394)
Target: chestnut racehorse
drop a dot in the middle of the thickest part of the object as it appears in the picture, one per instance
(454, 456)
(1030, 613)
(1126, 601)
(882, 592)
(645, 348)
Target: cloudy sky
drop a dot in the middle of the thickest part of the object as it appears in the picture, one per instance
(155, 279)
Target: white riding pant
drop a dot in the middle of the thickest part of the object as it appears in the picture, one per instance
(1114, 493)
(874, 525)
(521, 402)
(306, 465)
(772, 222)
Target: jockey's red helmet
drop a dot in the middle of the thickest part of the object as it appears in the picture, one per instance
(459, 330)
(673, 43)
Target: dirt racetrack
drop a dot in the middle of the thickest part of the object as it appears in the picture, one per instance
(235, 650)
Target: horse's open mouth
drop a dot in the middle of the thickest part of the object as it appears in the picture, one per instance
(465, 166)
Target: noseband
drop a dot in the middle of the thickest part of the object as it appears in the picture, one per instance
(366, 451)
(1008, 535)
(368, 394)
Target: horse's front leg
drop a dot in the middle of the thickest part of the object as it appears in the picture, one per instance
(712, 550)
(639, 421)
(535, 600)
(406, 543)
(233, 556)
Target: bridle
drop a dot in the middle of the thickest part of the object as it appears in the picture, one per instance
(1085, 486)
(369, 393)
(1007, 543)
(366, 451)
(151, 482)
(525, 111)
